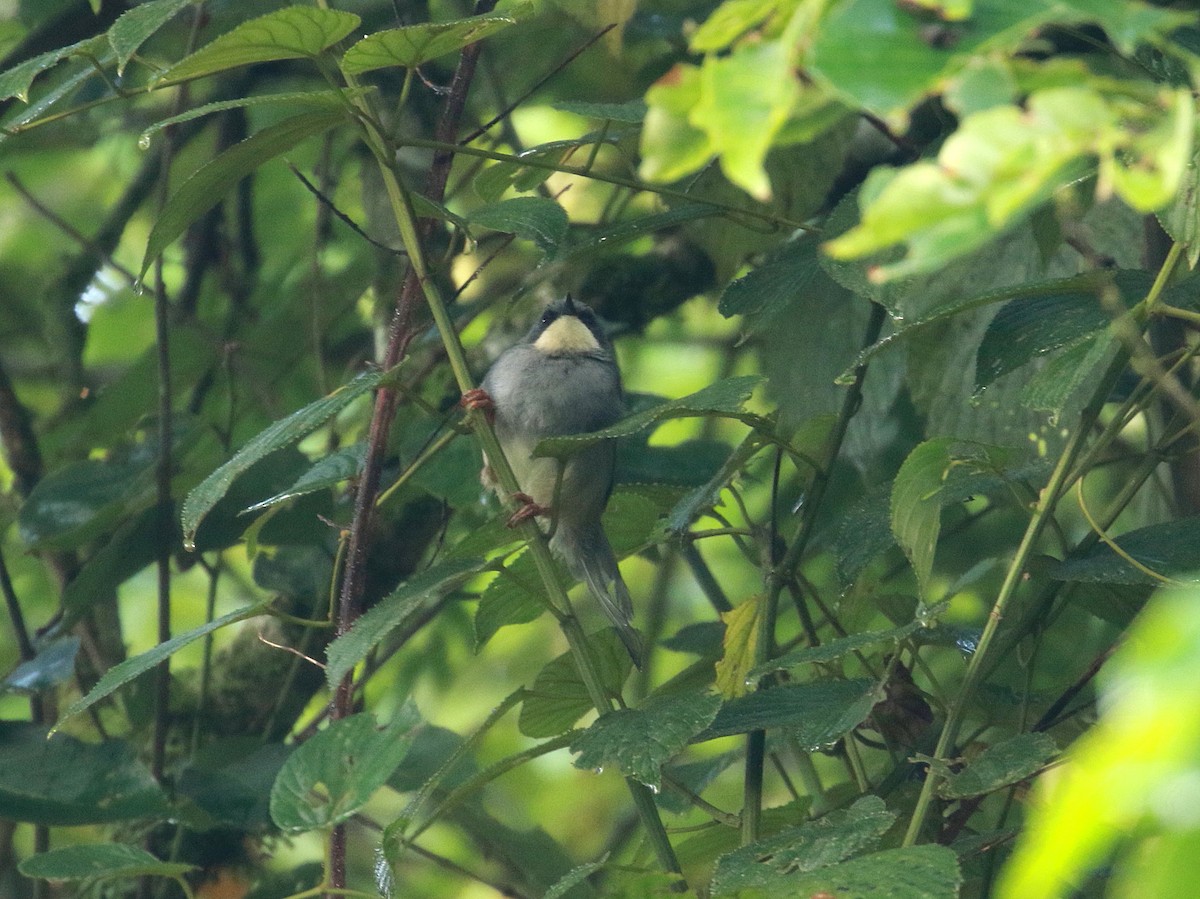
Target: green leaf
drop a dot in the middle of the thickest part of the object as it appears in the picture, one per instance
(738, 642)
(230, 781)
(1007, 762)
(415, 44)
(205, 188)
(825, 841)
(327, 99)
(817, 713)
(1123, 784)
(730, 21)
(99, 861)
(62, 782)
(53, 664)
(325, 473)
(917, 507)
(16, 81)
(725, 398)
(862, 38)
(1039, 323)
(639, 741)
(1181, 217)
(558, 697)
(788, 273)
(835, 649)
(332, 775)
(1051, 388)
(537, 219)
(82, 500)
(920, 491)
(630, 112)
(671, 145)
(745, 99)
(573, 878)
(1169, 550)
(135, 26)
(295, 32)
(370, 628)
(513, 597)
(916, 872)
(276, 436)
(119, 675)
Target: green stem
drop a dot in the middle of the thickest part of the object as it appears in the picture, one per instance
(1059, 480)
(555, 595)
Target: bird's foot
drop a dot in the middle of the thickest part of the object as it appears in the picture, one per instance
(479, 400)
(529, 509)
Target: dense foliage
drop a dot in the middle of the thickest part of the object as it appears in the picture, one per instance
(903, 300)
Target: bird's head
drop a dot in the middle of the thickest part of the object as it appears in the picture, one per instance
(568, 328)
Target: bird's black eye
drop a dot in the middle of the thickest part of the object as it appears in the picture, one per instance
(548, 316)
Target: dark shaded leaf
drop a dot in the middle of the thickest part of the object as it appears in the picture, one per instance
(53, 664)
(61, 781)
(538, 219)
(1170, 550)
(230, 781)
(834, 649)
(1007, 762)
(99, 861)
(773, 861)
(817, 713)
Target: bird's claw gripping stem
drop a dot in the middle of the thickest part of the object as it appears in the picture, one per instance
(529, 509)
(480, 400)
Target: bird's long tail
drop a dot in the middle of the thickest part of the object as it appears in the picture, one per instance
(590, 558)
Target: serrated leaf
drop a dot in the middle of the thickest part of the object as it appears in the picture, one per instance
(415, 44)
(1007, 762)
(205, 188)
(768, 288)
(513, 597)
(325, 473)
(119, 675)
(99, 861)
(1035, 325)
(374, 625)
(538, 219)
(274, 437)
(725, 398)
(136, 25)
(915, 872)
(834, 649)
(816, 713)
(740, 640)
(573, 878)
(639, 741)
(558, 697)
(327, 99)
(296, 32)
(16, 81)
(1051, 388)
(63, 782)
(1181, 218)
(825, 841)
(333, 774)
(1170, 550)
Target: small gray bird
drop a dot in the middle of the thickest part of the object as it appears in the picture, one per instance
(563, 379)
